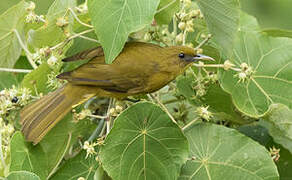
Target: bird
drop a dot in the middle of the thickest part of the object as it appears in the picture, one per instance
(140, 68)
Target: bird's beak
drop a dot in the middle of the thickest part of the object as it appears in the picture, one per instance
(202, 57)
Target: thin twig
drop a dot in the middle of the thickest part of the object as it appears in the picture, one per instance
(15, 70)
(204, 41)
(29, 55)
(78, 20)
(97, 131)
(108, 121)
(184, 37)
(97, 116)
(164, 108)
(70, 38)
(190, 123)
(89, 39)
(166, 6)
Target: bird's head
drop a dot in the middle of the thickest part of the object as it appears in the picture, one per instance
(183, 56)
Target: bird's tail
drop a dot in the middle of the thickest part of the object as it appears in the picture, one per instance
(41, 116)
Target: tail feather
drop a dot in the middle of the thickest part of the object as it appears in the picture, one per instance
(40, 117)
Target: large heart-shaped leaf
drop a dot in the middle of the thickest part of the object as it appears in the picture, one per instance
(222, 17)
(115, 20)
(166, 10)
(144, 143)
(218, 152)
(271, 62)
(79, 166)
(10, 21)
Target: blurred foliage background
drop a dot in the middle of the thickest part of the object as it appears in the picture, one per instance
(41, 8)
(269, 13)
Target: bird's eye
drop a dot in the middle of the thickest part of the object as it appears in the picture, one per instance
(181, 55)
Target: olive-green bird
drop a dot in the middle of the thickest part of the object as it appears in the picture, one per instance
(139, 69)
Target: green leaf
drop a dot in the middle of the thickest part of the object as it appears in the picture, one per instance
(166, 10)
(279, 123)
(271, 62)
(144, 143)
(42, 37)
(78, 166)
(12, 19)
(261, 135)
(184, 86)
(278, 32)
(22, 175)
(25, 156)
(222, 17)
(61, 137)
(14, 78)
(114, 20)
(81, 44)
(218, 152)
(270, 13)
(45, 157)
(221, 102)
(37, 79)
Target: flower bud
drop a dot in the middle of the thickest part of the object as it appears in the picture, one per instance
(182, 25)
(52, 60)
(147, 37)
(227, 65)
(62, 22)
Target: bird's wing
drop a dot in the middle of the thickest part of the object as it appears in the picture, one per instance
(86, 55)
(107, 77)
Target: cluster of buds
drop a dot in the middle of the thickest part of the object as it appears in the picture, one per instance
(53, 82)
(83, 114)
(204, 113)
(245, 72)
(89, 147)
(159, 34)
(6, 131)
(62, 22)
(31, 16)
(82, 8)
(186, 20)
(116, 110)
(12, 98)
(41, 54)
(275, 153)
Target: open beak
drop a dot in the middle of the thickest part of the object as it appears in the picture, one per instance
(202, 57)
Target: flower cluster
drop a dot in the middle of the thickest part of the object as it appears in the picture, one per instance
(31, 16)
(6, 131)
(89, 147)
(204, 113)
(13, 98)
(41, 54)
(245, 72)
(54, 82)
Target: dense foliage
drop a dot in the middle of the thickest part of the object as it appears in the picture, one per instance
(231, 119)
